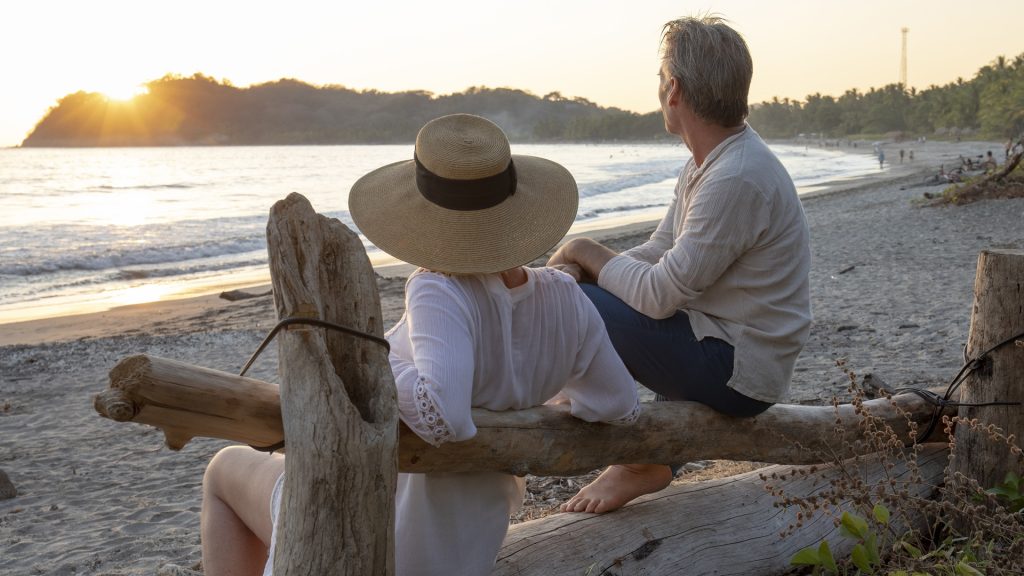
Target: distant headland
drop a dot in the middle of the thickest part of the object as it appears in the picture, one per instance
(200, 111)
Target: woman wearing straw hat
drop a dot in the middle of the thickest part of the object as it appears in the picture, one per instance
(479, 330)
(715, 307)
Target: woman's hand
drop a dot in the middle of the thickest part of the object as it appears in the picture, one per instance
(561, 256)
(562, 260)
(571, 269)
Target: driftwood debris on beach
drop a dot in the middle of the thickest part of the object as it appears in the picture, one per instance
(987, 185)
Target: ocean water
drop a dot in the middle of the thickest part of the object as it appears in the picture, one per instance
(86, 229)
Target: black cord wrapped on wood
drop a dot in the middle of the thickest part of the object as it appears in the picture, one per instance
(940, 402)
(309, 322)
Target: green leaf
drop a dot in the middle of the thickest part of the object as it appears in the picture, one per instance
(1000, 491)
(872, 546)
(881, 513)
(860, 559)
(914, 552)
(853, 526)
(806, 557)
(827, 560)
(964, 569)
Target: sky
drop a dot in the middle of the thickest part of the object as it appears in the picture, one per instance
(605, 51)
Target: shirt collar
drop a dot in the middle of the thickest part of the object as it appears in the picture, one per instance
(718, 150)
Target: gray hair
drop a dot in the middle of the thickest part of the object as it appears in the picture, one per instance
(712, 64)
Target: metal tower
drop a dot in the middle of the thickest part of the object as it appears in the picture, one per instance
(903, 58)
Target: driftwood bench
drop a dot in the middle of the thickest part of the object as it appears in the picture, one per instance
(336, 407)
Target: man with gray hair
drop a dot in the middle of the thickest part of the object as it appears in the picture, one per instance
(715, 307)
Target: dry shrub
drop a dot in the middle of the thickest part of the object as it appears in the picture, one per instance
(964, 528)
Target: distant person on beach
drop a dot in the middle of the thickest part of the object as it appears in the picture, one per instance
(911, 155)
(881, 158)
(901, 155)
(715, 307)
(479, 330)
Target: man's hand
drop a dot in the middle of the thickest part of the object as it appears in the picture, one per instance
(581, 258)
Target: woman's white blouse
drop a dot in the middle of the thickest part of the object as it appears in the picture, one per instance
(468, 341)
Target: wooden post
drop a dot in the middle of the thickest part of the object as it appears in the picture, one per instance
(337, 401)
(998, 314)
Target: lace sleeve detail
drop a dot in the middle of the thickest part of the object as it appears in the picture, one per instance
(630, 418)
(431, 425)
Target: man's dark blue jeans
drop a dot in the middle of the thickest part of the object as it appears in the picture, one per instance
(666, 357)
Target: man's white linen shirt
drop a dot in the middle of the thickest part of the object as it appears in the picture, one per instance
(733, 253)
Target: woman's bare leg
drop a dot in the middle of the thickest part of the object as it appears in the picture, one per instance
(618, 485)
(235, 521)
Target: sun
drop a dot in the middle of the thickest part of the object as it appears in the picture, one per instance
(123, 92)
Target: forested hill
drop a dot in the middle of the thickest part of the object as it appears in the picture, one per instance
(202, 111)
(990, 105)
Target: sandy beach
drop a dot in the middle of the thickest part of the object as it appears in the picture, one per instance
(891, 291)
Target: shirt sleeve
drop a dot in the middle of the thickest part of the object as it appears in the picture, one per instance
(660, 240)
(600, 388)
(723, 220)
(435, 386)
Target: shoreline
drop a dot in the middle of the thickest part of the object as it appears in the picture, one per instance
(191, 302)
(252, 312)
(891, 291)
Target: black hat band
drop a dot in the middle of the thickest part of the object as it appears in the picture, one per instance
(465, 195)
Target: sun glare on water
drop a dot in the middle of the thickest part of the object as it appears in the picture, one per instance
(140, 294)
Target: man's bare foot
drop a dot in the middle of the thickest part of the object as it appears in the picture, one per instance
(618, 485)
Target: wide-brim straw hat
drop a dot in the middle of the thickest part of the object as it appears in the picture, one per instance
(464, 204)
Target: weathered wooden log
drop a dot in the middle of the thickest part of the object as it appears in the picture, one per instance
(544, 441)
(724, 526)
(187, 401)
(337, 400)
(547, 441)
(998, 315)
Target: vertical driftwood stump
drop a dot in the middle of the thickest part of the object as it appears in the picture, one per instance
(998, 314)
(337, 401)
